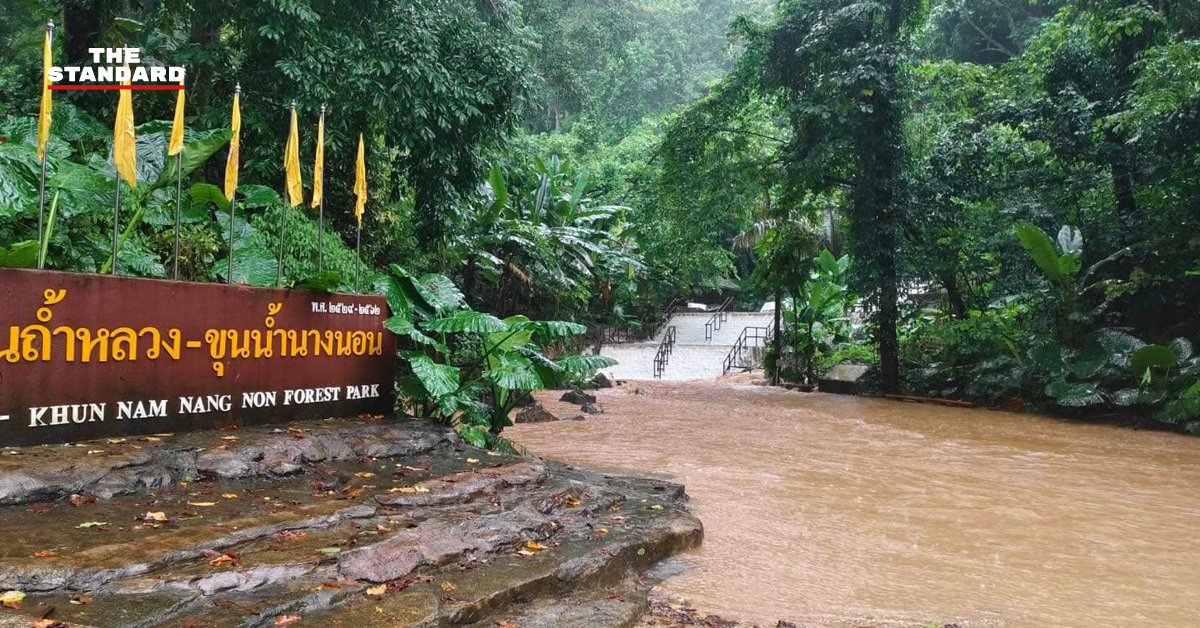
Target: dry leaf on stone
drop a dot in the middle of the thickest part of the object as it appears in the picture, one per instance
(286, 620)
(48, 623)
(92, 524)
(472, 460)
(449, 586)
(155, 516)
(79, 500)
(377, 590)
(229, 495)
(364, 474)
(82, 598)
(221, 560)
(45, 554)
(506, 624)
(202, 504)
(12, 599)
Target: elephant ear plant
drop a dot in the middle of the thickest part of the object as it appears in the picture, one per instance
(470, 369)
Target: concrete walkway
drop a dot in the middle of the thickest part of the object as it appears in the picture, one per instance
(694, 356)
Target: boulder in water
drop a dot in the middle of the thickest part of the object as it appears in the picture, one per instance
(591, 408)
(534, 414)
(602, 381)
(577, 397)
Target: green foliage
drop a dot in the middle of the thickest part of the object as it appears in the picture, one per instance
(468, 368)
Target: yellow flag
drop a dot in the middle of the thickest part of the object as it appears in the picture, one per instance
(360, 182)
(235, 144)
(176, 144)
(47, 102)
(124, 142)
(291, 164)
(319, 165)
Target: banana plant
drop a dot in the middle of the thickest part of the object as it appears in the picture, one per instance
(1062, 264)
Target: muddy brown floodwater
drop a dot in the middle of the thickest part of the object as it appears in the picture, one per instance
(841, 511)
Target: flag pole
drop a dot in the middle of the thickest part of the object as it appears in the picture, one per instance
(116, 220)
(178, 205)
(237, 90)
(282, 227)
(321, 205)
(358, 256)
(45, 156)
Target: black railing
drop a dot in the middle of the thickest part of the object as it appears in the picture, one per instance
(750, 337)
(664, 352)
(718, 317)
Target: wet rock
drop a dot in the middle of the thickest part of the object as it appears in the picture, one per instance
(577, 397)
(601, 381)
(591, 408)
(577, 417)
(534, 414)
(458, 535)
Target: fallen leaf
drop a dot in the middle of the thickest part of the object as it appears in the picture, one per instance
(506, 624)
(82, 598)
(48, 623)
(79, 500)
(229, 495)
(535, 546)
(601, 531)
(472, 460)
(449, 586)
(408, 489)
(45, 554)
(290, 535)
(286, 620)
(92, 524)
(231, 438)
(364, 474)
(116, 441)
(150, 439)
(202, 504)
(377, 590)
(221, 560)
(330, 550)
(12, 599)
(525, 552)
(155, 516)
(494, 453)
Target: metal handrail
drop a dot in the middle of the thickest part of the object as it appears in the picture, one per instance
(738, 351)
(664, 352)
(718, 317)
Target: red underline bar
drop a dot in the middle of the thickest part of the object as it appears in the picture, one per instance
(91, 86)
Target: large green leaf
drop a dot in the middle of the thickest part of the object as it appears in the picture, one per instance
(499, 190)
(581, 365)
(402, 325)
(203, 193)
(440, 292)
(19, 175)
(1152, 357)
(438, 379)
(20, 255)
(198, 146)
(466, 321)
(514, 372)
(1041, 248)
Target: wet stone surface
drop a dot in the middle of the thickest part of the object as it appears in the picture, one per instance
(325, 523)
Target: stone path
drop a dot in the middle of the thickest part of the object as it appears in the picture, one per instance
(330, 523)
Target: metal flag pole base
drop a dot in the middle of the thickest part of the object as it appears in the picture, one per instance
(358, 257)
(116, 221)
(42, 207)
(178, 206)
(232, 216)
(282, 235)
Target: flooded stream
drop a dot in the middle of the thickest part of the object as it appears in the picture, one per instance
(845, 512)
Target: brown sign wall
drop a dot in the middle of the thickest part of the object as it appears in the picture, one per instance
(93, 356)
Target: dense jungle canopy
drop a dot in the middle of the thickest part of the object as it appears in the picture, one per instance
(996, 200)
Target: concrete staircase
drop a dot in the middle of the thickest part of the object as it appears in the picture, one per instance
(694, 356)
